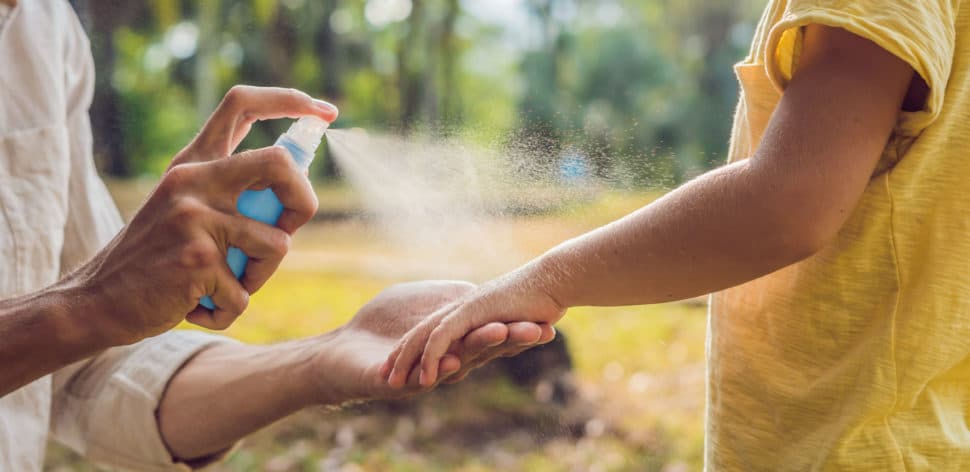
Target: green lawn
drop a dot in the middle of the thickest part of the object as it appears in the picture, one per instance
(639, 370)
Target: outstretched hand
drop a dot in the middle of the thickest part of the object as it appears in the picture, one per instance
(357, 349)
(510, 299)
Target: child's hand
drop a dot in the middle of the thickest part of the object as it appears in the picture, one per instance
(508, 299)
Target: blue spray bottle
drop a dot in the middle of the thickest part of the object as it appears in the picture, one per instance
(301, 140)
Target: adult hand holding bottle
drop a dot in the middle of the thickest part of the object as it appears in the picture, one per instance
(173, 251)
(152, 274)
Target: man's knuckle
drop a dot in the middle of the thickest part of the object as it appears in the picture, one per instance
(314, 203)
(237, 305)
(279, 243)
(187, 211)
(274, 162)
(243, 301)
(236, 96)
(438, 331)
(198, 254)
(175, 179)
(297, 94)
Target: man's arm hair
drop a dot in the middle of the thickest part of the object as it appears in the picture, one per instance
(42, 332)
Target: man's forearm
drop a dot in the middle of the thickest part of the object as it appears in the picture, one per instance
(44, 331)
(228, 391)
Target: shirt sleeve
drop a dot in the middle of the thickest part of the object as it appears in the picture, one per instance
(104, 408)
(922, 33)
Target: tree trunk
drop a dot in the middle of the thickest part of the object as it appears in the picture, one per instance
(102, 18)
(410, 80)
(281, 48)
(206, 82)
(450, 101)
(327, 48)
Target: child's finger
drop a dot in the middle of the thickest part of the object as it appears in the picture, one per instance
(388, 368)
(450, 364)
(405, 360)
(451, 328)
(413, 382)
(487, 336)
(409, 352)
(392, 358)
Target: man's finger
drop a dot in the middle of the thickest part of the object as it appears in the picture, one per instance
(265, 246)
(293, 218)
(460, 376)
(548, 333)
(496, 340)
(487, 336)
(230, 299)
(270, 167)
(244, 105)
(524, 333)
(478, 343)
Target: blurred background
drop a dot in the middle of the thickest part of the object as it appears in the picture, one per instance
(640, 93)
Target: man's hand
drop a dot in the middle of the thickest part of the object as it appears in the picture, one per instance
(228, 391)
(173, 252)
(355, 352)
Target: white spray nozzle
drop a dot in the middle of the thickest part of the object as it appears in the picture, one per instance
(307, 132)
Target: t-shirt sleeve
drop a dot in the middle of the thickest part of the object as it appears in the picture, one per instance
(922, 33)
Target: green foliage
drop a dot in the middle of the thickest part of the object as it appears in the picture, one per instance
(152, 131)
(643, 90)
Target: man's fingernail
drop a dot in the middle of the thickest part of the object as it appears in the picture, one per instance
(421, 378)
(327, 106)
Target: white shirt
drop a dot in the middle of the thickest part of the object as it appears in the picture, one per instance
(55, 213)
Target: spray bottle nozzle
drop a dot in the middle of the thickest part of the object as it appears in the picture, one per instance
(307, 132)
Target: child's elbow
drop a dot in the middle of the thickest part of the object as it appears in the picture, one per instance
(804, 237)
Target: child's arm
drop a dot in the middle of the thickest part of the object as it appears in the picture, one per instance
(729, 226)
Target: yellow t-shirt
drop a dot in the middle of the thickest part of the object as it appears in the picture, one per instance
(858, 358)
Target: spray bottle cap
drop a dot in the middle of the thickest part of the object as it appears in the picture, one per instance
(307, 133)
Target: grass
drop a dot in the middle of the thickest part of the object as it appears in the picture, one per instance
(639, 370)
